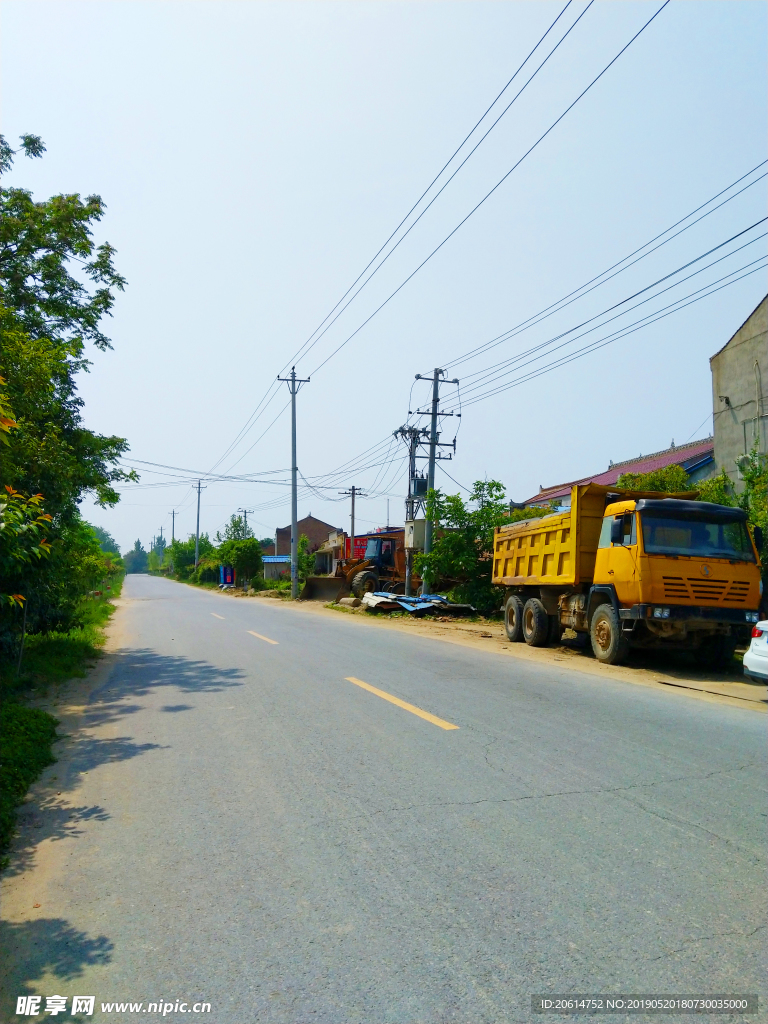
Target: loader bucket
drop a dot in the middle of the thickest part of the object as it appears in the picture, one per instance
(324, 588)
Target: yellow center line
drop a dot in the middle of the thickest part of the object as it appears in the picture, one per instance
(265, 638)
(217, 616)
(403, 704)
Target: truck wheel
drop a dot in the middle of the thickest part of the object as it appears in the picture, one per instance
(608, 642)
(715, 652)
(513, 619)
(365, 583)
(535, 623)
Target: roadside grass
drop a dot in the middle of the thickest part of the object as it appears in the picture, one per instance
(27, 733)
(27, 737)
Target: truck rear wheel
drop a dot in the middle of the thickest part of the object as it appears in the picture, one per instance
(365, 583)
(513, 619)
(609, 644)
(535, 623)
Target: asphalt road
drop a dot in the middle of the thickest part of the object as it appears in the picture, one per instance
(257, 831)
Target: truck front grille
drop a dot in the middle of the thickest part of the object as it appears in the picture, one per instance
(737, 592)
(705, 591)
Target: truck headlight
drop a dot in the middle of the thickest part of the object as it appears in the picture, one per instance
(752, 616)
(661, 613)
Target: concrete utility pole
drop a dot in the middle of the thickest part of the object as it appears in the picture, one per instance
(433, 446)
(412, 436)
(433, 436)
(173, 526)
(293, 386)
(353, 492)
(244, 512)
(197, 528)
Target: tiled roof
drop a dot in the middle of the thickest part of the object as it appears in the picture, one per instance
(679, 455)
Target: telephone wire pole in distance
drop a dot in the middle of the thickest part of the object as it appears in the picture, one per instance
(293, 386)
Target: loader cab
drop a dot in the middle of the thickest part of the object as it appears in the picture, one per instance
(381, 551)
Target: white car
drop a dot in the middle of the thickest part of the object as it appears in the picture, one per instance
(756, 658)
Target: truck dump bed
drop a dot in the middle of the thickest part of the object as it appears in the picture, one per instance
(559, 550)
(556, 550)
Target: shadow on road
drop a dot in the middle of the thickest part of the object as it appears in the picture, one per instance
(48, 947)
(135, 674)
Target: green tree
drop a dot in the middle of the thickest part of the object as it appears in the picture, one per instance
(106, 540)
(57, 588)
(669, 478)
(243, 555)
(47, 316)
(136, 559)
(305, 558)
(236, 529)
(461, 559)
(182, 554)
(265, 542)
(23, 526)
(37, 242)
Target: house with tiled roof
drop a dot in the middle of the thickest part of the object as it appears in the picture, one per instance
(696, 457)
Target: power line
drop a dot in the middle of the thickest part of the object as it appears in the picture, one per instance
(301, 350)
(584, 289)
(495, 187)
(488, 371)
(621, 333)
(447, 183)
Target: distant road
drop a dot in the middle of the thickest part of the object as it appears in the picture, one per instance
(305, 818)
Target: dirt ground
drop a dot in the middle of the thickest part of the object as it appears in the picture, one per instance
(661, 670)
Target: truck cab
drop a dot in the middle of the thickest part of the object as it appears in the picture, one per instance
(681, 571)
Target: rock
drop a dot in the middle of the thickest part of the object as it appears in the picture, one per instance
(350, 602)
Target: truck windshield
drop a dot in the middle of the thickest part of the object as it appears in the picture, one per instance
(696, 537)
(371, 548)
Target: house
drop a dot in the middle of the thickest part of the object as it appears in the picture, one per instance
(315, 530)
(696, 458)
(276, 566)
(329, 553)
(739, 382)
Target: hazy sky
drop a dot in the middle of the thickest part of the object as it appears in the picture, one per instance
(254, 157)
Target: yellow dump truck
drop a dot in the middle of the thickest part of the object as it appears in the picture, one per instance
(632, 569)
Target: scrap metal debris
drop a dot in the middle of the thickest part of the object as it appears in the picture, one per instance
(424, 604)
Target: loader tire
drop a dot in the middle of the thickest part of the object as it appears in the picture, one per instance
(609, 644)
(365, 583)
(535, 623)
(513, 619)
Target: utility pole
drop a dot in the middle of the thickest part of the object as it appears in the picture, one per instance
(412, 436)
(293, 386)
(433, 436)
(387, 513)
(197, 529)
(173, 527)
(353, 492)
(244, 512)
(433, 456)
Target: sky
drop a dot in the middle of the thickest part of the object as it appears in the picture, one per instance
(255, 157)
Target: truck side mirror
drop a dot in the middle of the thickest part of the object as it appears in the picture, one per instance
(617, 530)
(758, 535)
